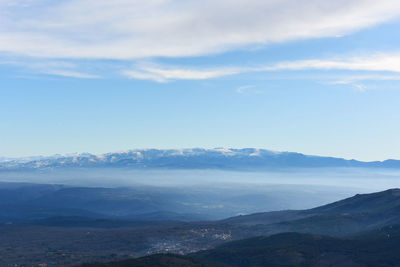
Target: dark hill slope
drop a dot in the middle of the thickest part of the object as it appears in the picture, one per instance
(374, 248)
(159, 260)
(379, 247)
(266, 217)
(287, 249)
(360, 203)
(352, 215)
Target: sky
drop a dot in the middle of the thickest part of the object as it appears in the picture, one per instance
(310, 76)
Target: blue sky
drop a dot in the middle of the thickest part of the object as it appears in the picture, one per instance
(99, 76)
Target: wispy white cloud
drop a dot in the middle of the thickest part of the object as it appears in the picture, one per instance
(350, 79)
(360, 87)
(72, 74)
(243, 88)
(165, 73)
(127, 29)
(354, 80)
(375, 62)
(56, 68)
(372, 63)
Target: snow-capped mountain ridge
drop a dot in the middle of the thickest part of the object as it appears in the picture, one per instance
(191, 158)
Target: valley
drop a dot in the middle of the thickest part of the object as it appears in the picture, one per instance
(69, 239)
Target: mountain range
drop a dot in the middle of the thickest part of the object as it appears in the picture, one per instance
(196, 158)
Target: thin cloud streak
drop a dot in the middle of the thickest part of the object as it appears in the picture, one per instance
(55, 68)
(378, 62)
(375, 63)
(242, 89)
(165, 73)
(72, 74)
(372, 77)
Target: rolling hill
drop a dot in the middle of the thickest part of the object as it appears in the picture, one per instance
(342, 233)
(359, 213)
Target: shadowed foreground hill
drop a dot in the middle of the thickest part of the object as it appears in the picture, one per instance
(375, 248)
(159, 260)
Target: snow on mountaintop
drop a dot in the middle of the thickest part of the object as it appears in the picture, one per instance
(190, 158)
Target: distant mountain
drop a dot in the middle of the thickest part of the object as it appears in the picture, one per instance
(196, 158)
